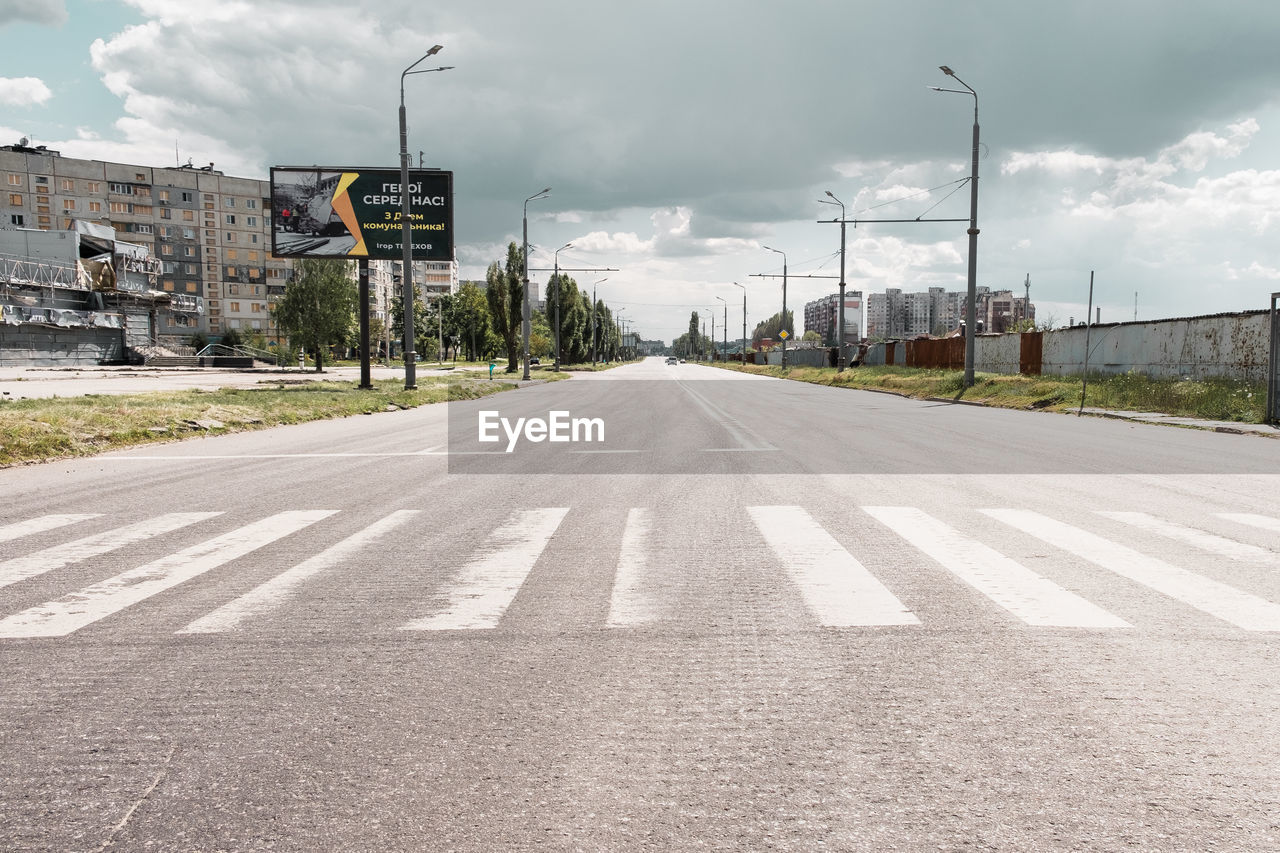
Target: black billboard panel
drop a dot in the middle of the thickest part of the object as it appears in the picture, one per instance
(331, 212)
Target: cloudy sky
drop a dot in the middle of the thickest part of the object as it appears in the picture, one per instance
(1135, 138)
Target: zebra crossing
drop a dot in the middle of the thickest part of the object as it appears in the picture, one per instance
(821, 564)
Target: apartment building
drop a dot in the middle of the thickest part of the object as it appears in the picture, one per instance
(823, 316)
(936, 311)
(209, 231)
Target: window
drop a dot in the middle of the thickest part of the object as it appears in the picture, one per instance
(233, 289)
(15, 219)
(208, 196)
(138, 176)
(235, 306)
(188, 251)
(43, 220)
(188, 233)
(121, 207)
(68, 204)
(15, 199)
(143, 209)
(95, 207)
(168, 285)
(191, 287)
(145, 229)
(41, 179)
(231, 219)
(228, 202)
(68, 185)
(188, 215)
(187, 197)
(253, 238)
(251, 203)
(15, 180)
(231, 237)
(166, 249)
(166, 213)
(66, 225)
(255, 308)
(122, 189)
(251, 221)
(94, 186)
(232, 254)
(43, 207)
(164, 195)
(42, 190)
(253, 256)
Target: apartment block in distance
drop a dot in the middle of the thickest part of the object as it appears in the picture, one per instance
(211, 232)
(823, 316)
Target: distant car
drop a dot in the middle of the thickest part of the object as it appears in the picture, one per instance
(682, 361)
(671, 359)
(534, 360)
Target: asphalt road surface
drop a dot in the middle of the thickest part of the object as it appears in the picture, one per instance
(753, 614)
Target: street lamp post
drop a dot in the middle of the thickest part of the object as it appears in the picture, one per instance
(406, 236)
(724, 354)
(744, 320)
(594, 333)
(557, 280)
(970, 311)
(840, 362)
(783, 323)
(525, 263)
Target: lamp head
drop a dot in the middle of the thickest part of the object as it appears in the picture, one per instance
(947, 71)
(831, 193)
(435, 50)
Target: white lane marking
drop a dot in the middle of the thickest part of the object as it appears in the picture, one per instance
(265, 456)
(1033, 598)
(39, 525)
(276, 592)
(838, 589)
(1210, 542)
(1264, 522)
(39, 562)
(1225, 602)
(629, 605)
(488, 584)
(78, 609)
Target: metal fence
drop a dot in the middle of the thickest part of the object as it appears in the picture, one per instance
(1273, 366)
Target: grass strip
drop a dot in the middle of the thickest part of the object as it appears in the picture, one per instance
(1208, 399)
(34, 430)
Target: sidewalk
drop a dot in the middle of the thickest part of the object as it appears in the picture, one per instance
(18, 383)
(1173, 420)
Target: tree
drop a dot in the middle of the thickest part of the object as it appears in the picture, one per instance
(424, 324)
(231, 338)
(574, 318)
(471, 318)
(317, 305)
(506, 302)
(771, 327)
(811, 337)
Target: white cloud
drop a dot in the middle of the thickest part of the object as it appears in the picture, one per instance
(23, 91)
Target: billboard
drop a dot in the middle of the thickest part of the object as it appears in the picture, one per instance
(331, 212)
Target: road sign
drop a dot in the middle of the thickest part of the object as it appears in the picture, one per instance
(784, 334)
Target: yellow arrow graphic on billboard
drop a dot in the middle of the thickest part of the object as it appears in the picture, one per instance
(342, 205)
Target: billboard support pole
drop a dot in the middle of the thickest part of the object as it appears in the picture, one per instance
(366, 380)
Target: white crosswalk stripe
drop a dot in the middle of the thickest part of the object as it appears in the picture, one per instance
(1032, 598)
(279, 590)
(58, 556)
(1232, 605)
(838, 589)
(1263, 522)
(19, 529)
(1210, 542)
(488, 584)
(78, 609)
(630, 603)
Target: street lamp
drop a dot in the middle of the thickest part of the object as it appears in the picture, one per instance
(557, 280)
(406, 237)
(840, 324)
(593, 319)
(783, 324)
(525, 262)
(744, 320)
(724, 355)
(970, 321)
